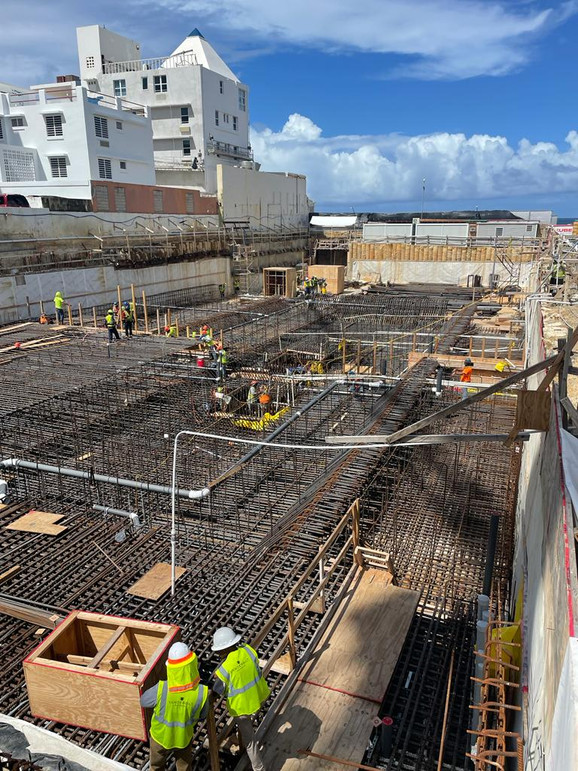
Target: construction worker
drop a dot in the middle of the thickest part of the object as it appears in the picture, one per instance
(222, 290)
(236, 286)
(171, 331)
(252, 397)
(466, 376)
(179, 703)
(222, 361)
(264, 400)
(127, 316)
(110, 324)
(240, 680)
(59, 307)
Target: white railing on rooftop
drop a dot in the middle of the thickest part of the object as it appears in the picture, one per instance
(157, 63)
(64, 94)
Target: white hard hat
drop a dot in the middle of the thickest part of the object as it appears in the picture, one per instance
(224, 638)
(178, 651)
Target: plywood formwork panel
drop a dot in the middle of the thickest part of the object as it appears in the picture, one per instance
(155, 582)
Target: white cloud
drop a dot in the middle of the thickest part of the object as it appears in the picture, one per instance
(440, 38)
(347, 170)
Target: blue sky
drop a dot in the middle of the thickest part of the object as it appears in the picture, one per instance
(367, 98)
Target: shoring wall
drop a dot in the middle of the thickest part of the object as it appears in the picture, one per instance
(545, 581)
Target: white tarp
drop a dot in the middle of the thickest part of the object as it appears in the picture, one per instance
(570, 463)
(335, 221)
(563, 754)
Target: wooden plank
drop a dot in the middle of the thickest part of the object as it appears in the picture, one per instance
(101, 653)
(155, 582)
(29, 613)
(533, 410)
(38, 522)
(423, 439)
(9, 573)
(84, 661)
(318, 719)
(558, 361)
(353, 662)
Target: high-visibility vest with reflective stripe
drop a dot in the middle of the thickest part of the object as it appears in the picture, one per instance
(176, 714)
(245, 687)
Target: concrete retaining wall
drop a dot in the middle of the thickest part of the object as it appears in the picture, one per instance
(446, 272)
(20, 295)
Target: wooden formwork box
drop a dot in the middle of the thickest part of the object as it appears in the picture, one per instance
(92, 669)
(333, 274)
(279, 282)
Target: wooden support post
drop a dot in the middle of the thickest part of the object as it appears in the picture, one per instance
(188, 331)
(471, 345)
(69, 314)
(80, 319)
(144, 310)
(390, 368)
(496, 349)
(41, 307)
(168, 318)
(291, 633)
(119, 319)
(94, 319)
(374, 366)
(357, 556)
(158, 321)
(134, 313)
(344, 353)
(483, 347)
(321, 577)
(212, 735)
(358, 356)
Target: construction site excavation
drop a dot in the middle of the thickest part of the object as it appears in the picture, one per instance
(337, 477)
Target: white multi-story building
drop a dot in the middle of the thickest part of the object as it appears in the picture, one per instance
(198, 106)
(56, 139)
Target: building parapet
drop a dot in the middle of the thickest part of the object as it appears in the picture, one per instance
(188, 59)
(70, 94)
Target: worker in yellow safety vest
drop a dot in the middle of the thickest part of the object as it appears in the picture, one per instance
(179, 703)
(240, 679)
(502, 364)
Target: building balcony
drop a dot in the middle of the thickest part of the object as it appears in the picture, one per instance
(157, 63)
(52, 95)
(229, 151)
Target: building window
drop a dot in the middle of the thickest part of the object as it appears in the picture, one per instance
(499, 232)
(160, 82)
(19, 166)
(242, 99)
(53, 125)
(104, 168)
(186, 146)
(1, 129)
(101, 127)
(190, 203)
(225, 117)
(17, 122)
(235, 122)
(123, 165)
(184, 114)
(120, 198)
(101, 197)
(90, 61)
(220, 86)
(58, 166)
(216, 117)
(158, 201)
(119, 87)
(528, 228)
(145, 84)
(119, 125)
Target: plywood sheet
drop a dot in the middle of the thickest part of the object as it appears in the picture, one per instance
(38, 522)
(361, 647)
(320, 720)
(155, 582)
